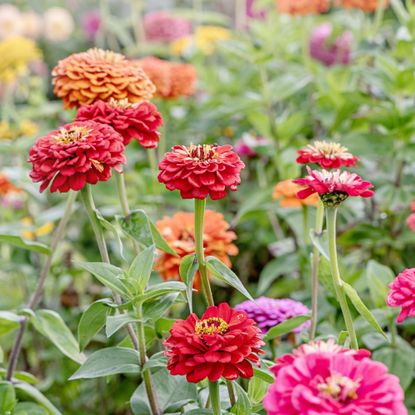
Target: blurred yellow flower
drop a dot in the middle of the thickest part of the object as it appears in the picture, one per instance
(28, 128)
(179, 46)
(30, 233)
(6, 133)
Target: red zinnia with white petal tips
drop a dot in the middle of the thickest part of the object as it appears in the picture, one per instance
(224, 342)
(402, 294)
(76, 154)
(327, 155)
(199, 171)
(139, 121)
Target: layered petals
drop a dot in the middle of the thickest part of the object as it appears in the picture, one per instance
(402, 294)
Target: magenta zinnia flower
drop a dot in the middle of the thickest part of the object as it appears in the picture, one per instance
(402, 294)
(328, 382)
(268, 312)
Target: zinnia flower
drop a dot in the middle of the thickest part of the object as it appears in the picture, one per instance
(76, 154)
(139, 121)
(248, 145)
(333, 186)
(91, 23)
(252, 12)
(333, 382)
(179, 232)
(410, 221)
(83, 78)
(58, 24)
(224, 342)
(268, 312)
(286, 192)
(11, 196)
(328, 155)
(302, 6)
(202, 170)
(10, 21)
(402, 294)
(365, 5)
(330, 53)
(161, 26)
(31, 24)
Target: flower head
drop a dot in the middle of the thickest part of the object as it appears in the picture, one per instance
(11, 196)
(410, 221)
(76, 154)
(333, 186)
(402, 294)
(91, 23)
(138, 121)
(161, 26)
(329, 381)
(330, 53)
(223, 342)
(286, 192)
(179, 232)
(302, 6)
(202, 170)
(248, 145)
(252, 12)
(32, 24)
(328, 155)
(268, 312)
(365, 5)
(86, 77)
(10, 21)
(58, 24)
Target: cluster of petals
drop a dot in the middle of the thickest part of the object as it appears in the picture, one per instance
(133, 121)
(161, 26)
(326, 380)
(286, 193)
(172, 79)
(199, 171)
(222, 343)
(76, 154)
(302, 7)
(402, 294)
(328, 155)
(179, 232)
(365, 5)
(86, 77)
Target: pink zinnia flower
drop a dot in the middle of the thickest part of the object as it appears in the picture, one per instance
(252, 12)
(334, 382)
(402, 294)
(248, 145)
(161, 26)
(91, 23)
(410, 221)
(328, 155)
(330, 53)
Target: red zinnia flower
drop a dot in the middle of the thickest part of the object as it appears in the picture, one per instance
(139, 121)
(76, 154)
(327, 155)
(224, 342)
(199, 171)
(402, 294)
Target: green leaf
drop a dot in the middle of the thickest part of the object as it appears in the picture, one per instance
(286, 327)
(7, 397)
(107, 274)
(263, 374)
(320, 241)
(19, 242)
(257, 389)
(378, 277)
(362, 309)
(156, 308)
(158, 290)
(159, 241)
(9, 321)
(92, 321)
(156, 361)
(187, 271)
(220, 271)
(343, 335)
(50, 324)
(109, 361)
(115, 323)
(29, 408)
(243, 404)
(111, 228)
(141, 267)
(38, 397)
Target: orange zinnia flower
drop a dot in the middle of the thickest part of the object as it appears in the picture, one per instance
(302, 6)
(83, 78)
(286, 192)
(179, 233)
(6, 186)
(365, 5)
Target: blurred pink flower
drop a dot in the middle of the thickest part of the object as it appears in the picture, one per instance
(161, 26)
(402, 294)
(410, 221)
(91, 23)
(330, 52)
(252, 12)
(247, 145)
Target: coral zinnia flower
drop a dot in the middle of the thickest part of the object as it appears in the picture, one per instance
(139, 121)
(83, 78)
(333, 186)
(202, 170)
(179, 232)
(268, 312)
(328, 155)
(326, 382)
(224, 342)
(365, 5)
(286, 192)
(402, 294)
(302, 6)
(76, 154)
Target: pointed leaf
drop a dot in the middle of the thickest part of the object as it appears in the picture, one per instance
(160, 242)
(115, 323)
(320, 241)
(37, 397)
(141, 267)
(9, 321)
(286, 327)
(158, 290)
(19, 242)
(243, 404)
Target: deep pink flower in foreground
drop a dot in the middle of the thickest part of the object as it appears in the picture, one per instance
(328, 155)
(139, 121)
(202, 170)
(334, 383)
(402, 294)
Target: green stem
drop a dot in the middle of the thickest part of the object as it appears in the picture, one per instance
(337, 281)
(272, 348)
(122, 193)
(231, 392)
(214, 397)
(305, 225)
(152, 158)
(200, 254)
(314, 271)
(394, 334)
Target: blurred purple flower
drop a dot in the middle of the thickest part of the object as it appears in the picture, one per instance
(91, 23)
(268, 312)
(247, 145)
(163, 27)
(252, 12)
(330, 53)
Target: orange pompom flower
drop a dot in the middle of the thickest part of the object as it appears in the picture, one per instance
(286, 192)
(83, 78)
(303, 7)
(179, 232)
(365, 5)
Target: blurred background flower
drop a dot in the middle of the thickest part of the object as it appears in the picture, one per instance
(58, 24)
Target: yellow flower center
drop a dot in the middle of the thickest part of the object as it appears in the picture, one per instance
(122, 103)
(340, 388)
(329, 149)
(212, 325)
(202, 152)
(71, 135)
(105, 55)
